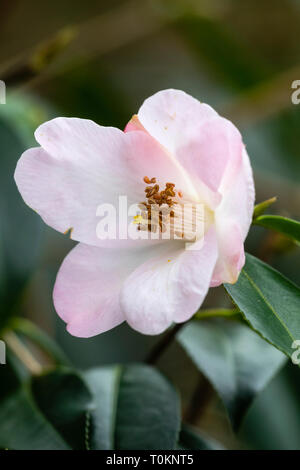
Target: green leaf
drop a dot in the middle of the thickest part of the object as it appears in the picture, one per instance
(104, 383)
(288, 227)
(270, 303)
(23, 427)
(192, 439)
(148, 410)
(136, 408)
(260, 208)
(64, 399)
(117, 407)
(45, 412)
(236, 361)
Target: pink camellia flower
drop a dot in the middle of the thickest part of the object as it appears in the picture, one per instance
(174, 142)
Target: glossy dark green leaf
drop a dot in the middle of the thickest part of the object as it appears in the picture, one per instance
(288, 227)
(270, 303)
(137, 408)
(236, 361)
(128, 407)
(49, 411)
(192, 439)
(23, 427)
(65, 400)
(104, 383)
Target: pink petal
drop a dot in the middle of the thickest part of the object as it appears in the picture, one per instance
(170, 287)
(238, 194)
(233, 219)
(169, 114)
(86, 292)
(209, 149)
(231, 255)
(203, 144)
(82, 165)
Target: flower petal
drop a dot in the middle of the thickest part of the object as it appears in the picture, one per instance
(169, 114)
(209, 149)
(82, 165)
(86, 292)
(233, 219)
(203, 144)
(231, 255)
(170, 287)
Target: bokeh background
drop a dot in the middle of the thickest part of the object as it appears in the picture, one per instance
(100, 60)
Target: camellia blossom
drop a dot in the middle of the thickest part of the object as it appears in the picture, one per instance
(175, 148)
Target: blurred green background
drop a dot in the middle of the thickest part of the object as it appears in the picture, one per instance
(100, 60)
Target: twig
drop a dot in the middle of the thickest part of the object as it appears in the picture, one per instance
(165, 341)
(199, 401)
(163, 344)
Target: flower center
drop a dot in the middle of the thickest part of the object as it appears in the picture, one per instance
(166, 212)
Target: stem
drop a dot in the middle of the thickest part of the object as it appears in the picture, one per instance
(199, 401)
(163, 344)
(166, 340)
(22, 353)
(216, 312)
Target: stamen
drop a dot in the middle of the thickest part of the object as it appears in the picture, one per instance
(167, 210)
(148, 181)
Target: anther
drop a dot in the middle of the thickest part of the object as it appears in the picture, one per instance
(155, 197)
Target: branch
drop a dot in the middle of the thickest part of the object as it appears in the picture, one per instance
(163, 344)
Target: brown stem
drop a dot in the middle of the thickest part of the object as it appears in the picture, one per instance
(199, 401)
(163, 344)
